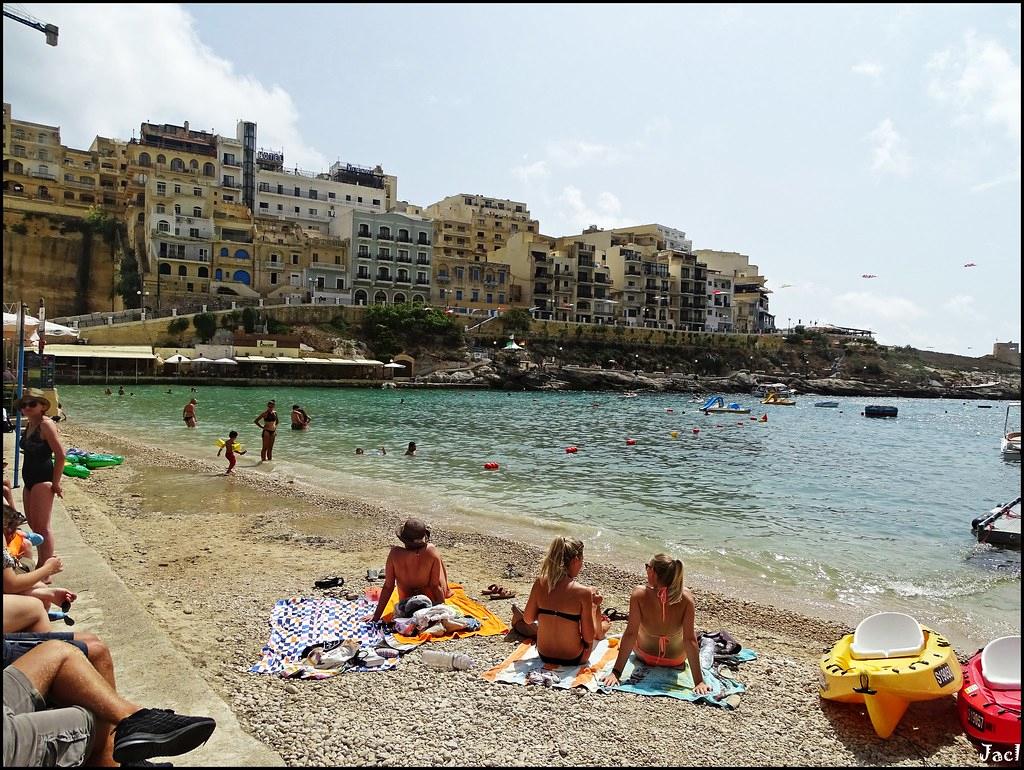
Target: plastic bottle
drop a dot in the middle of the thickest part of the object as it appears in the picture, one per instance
(34, 539)
(707, 653)
(446, 660)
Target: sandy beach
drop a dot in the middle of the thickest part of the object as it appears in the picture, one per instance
(208, 556)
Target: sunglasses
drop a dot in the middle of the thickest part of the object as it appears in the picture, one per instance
(29, 403)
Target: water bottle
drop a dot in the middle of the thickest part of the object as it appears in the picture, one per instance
(34, 539)
(707, 653)
(446, 660)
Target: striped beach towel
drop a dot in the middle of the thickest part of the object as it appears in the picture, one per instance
(641, 679)
(524, 666)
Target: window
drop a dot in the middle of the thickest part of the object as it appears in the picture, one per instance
(160, 208)
(479, 234)
(204, 254)
(280, 207)
(163, 226)
(501, 278)
(476, 295)
(196, 211)
(330, 195)
(280, 189)
(264, 206)
(348, 198)
(490, 298)
(189, 287)
(182, 270)
(458, 294)
(177, 189)
(421, 277)
(474, 274)
(376, 202)
(177, 209)
(208, 169)
(501, 298)
(204, 272)
(364, 272)
(197, 191)
(298, 192)
(161, 188)
(177, 165)
(468, 201)
(193, 232)
(385, 252)
(295, 259)
(273, 278)
(161, 159)
(165, 268)
(295, 279)
(297, 210)
(460, 273)
(313, 212)
(312, 195)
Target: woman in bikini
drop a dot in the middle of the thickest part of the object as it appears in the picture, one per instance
(41, 473)
(660, 625)
(567, 613)
(269, 427)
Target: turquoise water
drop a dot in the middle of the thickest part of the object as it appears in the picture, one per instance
(815, 509)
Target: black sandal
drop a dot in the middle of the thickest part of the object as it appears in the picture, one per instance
(613, 614)
(330, 582)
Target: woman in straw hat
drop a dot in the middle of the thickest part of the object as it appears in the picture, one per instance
(41, 472)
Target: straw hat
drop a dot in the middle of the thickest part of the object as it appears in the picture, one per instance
(414, 533)
(32, 394)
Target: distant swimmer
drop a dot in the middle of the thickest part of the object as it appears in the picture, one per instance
(359, 450)
(411, 450)
(108, 392)
(383, 451)
(300, 420)
(188, 413)
(120, 390)
(269, 427)
(169, 390)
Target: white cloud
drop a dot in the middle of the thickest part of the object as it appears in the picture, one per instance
(154, 68)
(578, 152)
(578, 214)
(528, 172)
(980, 80)
(865, 305)
(888, 153)
(869, 68)
(963, 305)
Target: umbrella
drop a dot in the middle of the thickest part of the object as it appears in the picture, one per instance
(231, 361)
(11, 325)
(393, 365)
(202, 360)
(177, 358)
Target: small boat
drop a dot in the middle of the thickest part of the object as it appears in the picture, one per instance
(989, 701)
(781, 388)
(1010, 445)
(874, 410)
(1000, 526)
(630, 394)
(717, 405)
(773, 397)
(888, 662)
(828, 404)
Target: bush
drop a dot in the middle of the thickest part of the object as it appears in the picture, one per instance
(249, 317)
(277, 327)
(206, 325)
(390, 329)
(516, 319)
(177, 325)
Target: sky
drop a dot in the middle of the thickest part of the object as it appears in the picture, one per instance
(826, 143)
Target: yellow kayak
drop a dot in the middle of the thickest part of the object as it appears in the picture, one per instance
(886, 685)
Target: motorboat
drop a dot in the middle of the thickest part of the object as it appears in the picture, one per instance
(781, 388)
(717, 405)
(876, 410)
(777, 399)
(630, 394)
(828, 404)
(1011, 438)
(1000, 526)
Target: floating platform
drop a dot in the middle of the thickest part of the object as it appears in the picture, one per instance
(874, 410)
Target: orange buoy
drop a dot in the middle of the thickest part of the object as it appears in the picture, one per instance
(570, 450)
(669, 410)
(630, 442)
(491, 466)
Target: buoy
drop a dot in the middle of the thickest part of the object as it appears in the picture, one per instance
(696, 431)
(669, 410)
(764, 418)
(490, 466)
(570, 450)
(630, 442)
(674, 434)
(753, 418)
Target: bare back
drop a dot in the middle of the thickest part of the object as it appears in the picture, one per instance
(565, 618)
(419, 571)
(671, 622)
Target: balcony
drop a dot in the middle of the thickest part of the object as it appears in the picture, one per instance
(363, 234)
(43, 175)
(187, 257)
(422, 260)
(231, 185)
(328, 266)
(385, 257)
(422, 282)
(228, 160)
(442, 278)
(403, 239)
(405, 280)
(272, 265)
(586, 261)
(361, 278)
(422, 242)
(406, 259)
(384, 235)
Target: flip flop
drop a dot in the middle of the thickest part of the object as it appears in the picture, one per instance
(502, 593)
(613, 614)
(330, 582)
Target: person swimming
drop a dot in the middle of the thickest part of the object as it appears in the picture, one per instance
(411, 450)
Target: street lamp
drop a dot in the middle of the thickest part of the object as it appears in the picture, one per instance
(636, 363)
(559, 356)
(141, 294)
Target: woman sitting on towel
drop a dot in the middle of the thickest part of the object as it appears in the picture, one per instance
(660, 624)
(567, 613)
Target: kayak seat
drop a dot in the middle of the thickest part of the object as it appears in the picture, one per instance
(1000, 663)
(887, 635)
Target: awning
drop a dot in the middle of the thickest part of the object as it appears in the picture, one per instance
(369, 362)
(137, 352)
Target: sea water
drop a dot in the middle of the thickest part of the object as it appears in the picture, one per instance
(820, 510)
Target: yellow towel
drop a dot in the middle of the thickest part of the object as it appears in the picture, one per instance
(490, 624)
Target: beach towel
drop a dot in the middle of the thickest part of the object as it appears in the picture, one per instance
(490, 624)
(641, 679)
(524, 666)
(301, 622)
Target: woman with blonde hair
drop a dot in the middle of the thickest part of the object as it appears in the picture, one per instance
(567, 613)
(660, 625)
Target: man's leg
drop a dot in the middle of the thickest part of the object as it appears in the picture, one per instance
(38, 736)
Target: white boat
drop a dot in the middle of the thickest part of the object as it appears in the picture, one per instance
(779, 388)
(1011, 438)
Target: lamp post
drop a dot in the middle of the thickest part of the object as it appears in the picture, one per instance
(142, 301)
(636, 364)
(559, 356)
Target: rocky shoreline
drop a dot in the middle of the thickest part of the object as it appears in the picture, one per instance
(208, 556)
(499, 376)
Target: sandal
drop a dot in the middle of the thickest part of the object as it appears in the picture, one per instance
(330, 582)
(502, 593)
(613, 614)
(492, 588)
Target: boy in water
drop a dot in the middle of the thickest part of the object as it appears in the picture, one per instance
(229, 452)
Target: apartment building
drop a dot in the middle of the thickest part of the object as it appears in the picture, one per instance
(391, 255)
(42, 175)
(719, 317)
(751, 313)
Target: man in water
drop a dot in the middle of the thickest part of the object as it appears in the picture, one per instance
(415, 567)
(188, 414)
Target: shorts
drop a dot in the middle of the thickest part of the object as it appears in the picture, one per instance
(37, 736)
(17, 644)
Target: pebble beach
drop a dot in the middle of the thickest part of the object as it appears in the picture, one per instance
(208, 556)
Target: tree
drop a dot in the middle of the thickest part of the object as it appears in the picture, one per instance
(389, 329)
(249, 317)
(177, 325)
(206, 325)
(129, 282)
(516, 319)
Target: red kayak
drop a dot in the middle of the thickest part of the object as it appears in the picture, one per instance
(989, 700)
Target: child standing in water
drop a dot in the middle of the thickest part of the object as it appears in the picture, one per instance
(229, 452)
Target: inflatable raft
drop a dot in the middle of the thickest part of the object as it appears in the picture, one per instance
(889, 662)
(91, 460)
(989, 702)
